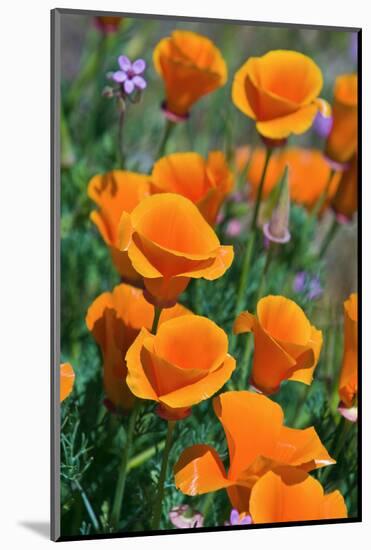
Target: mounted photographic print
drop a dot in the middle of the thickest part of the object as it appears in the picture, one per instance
(205, 244)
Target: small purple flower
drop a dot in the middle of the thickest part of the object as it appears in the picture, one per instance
(308, 285)
(220, 218)
(185, 517)
(299, 282)
(129, 74)
(238, 519)
(237, 197)
(322, 125)
(234, 228)
(349, 413)
(314, 288)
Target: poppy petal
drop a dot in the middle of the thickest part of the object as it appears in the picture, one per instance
(125, 231)
(286, 494)
(271, 363)
(199, 470)
(164, 292)
(209, 343)
(202, 389)
(182, 173)
(67, 380)
(136, 378)
(102, 227)
(175, 223)
(252, 424)
(297, 123)
(333, 506)
(244, 323)
(163, 376)
(284, 320)
(302, 448)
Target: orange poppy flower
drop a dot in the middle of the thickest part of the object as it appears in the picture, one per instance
(168, 242)
(257, 442)
(191, 67)
(67, 380)
(115, 192)
(348, 384)
(288, 494)
(286, 345)
(308, 174)
(342, 140)
(115, 320)
(280, 91)
(186, 362)
(345, 200)
(205, 183)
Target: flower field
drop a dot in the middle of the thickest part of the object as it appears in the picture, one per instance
(209, 307)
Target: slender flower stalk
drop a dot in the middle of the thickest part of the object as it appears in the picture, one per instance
(245, 272)
(88, 505)
(329, 237)
(156, 319)
(120, 137)
(169, 127)
(255, 217)
(263, 279)
(120, 487)
(144, 456)
(161, 482)
(249, 252)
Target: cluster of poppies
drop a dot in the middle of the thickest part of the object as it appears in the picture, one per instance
(160, 230)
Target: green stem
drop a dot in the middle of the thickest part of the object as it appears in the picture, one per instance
(268, 155)
(344, 432)
(88, 506)
(207, 504)
(268, 260)
(165, 136)
(120, 139)
(298, 409)
(120, 487)
(314, 213)
(245, 273)
(246, 360)
(142, 457)
(161, 481)
(156, 319)
(328, 238)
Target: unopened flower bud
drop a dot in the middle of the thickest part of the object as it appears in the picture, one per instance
(277, 229)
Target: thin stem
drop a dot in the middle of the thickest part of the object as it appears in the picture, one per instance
(345, 427)
(88, 506)
(207, 504)
(245, 272)
(329, 237)
(316, 209)
(120, 138)
(161, 481)
(268, 155)
(165, 136)
(142, 457)
(298, 409)
(246, 360)
(120, 487)
(156, 319)
(268, 260)
(322, 199)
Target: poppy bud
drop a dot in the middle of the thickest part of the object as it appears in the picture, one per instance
(276, 230)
